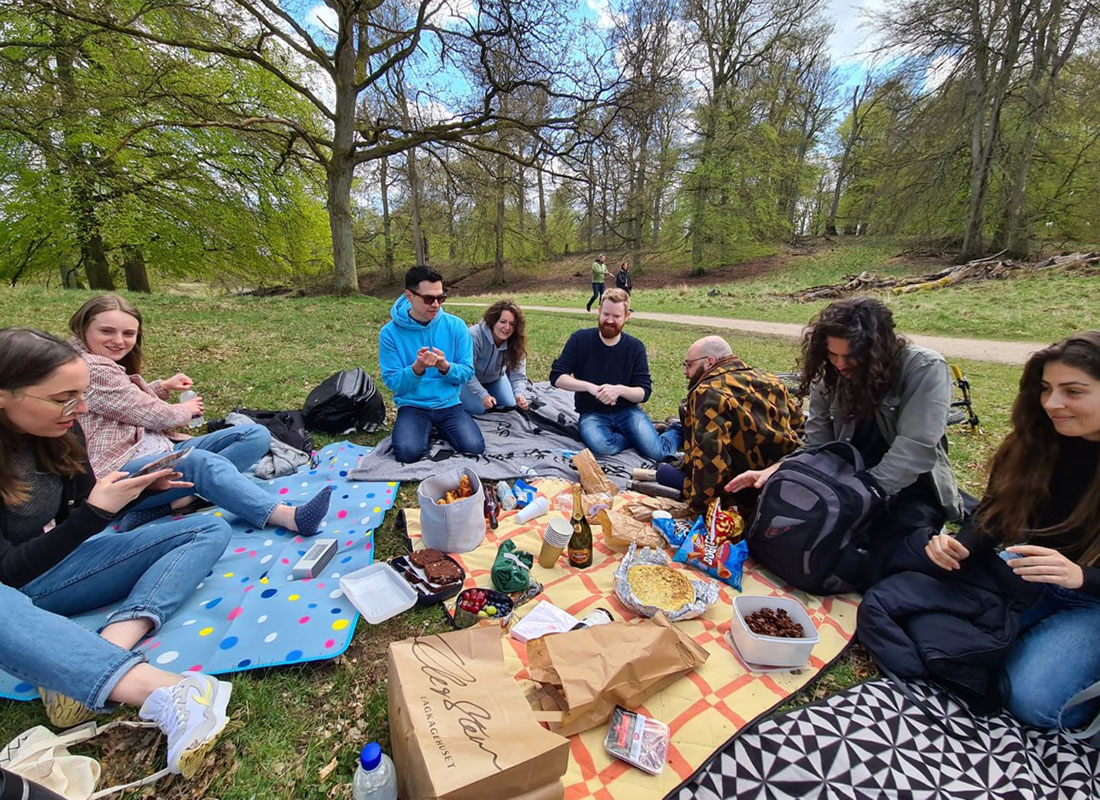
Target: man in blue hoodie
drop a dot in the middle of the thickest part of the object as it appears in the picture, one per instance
(426, 356)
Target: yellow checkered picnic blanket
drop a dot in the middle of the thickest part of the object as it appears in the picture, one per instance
(705, 708)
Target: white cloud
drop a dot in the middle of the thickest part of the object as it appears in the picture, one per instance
(853, 37)
(602, 10)
(323, 17)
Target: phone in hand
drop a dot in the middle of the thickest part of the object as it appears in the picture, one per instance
(167, 460)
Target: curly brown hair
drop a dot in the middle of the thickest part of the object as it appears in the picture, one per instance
(517, 342)
(28, 357)
(1021, 469)
(84, 315)
(875, 349)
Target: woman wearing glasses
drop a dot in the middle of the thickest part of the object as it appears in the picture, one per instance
(500, 360)
(52, 563)
(128, 424)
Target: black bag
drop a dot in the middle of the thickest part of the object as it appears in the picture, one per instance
(345, 402)
(812, 517)
(288, 427)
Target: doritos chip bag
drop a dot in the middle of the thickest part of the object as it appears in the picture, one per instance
(716, 545)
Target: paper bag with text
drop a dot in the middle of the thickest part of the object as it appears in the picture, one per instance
(460, 726)
(587, 673)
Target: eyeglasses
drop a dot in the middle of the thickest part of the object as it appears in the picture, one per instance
(687, 362)
(431, 299)
(68, 407)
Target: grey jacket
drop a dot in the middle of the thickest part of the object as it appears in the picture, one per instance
(489, 363)
(913, 420)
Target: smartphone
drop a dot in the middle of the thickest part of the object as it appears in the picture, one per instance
(167, 460)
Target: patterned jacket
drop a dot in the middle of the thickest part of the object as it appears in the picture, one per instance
(735, 418)
(121, 408)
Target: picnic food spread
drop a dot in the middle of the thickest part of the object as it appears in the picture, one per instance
(465, 489)
(774, 622)
(663, 587)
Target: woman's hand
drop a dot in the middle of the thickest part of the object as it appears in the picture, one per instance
(194, 405)
(751, 479)
(521, 401)
(945, 551)
(113, 491)
(177, 383)
(1044, 565)
(488, 401)
(170, 482)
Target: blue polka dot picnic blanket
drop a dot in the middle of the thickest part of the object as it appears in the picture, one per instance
(247, 612)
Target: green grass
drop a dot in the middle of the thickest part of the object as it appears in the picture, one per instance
(291, 722)
(1038, 307)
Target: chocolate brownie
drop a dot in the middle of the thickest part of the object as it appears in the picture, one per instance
(442, 572)
(422, 558)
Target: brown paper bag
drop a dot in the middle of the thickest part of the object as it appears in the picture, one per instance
(642, 509)
(622, 530)
(592, 477)
(461, 727)
(587, 673)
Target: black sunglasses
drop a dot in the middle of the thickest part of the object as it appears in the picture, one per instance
(431, 299)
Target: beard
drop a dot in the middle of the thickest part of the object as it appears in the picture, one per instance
(609, 330)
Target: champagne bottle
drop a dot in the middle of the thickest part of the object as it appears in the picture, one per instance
(580, 543)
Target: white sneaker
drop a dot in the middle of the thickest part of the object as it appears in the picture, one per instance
(192, 715)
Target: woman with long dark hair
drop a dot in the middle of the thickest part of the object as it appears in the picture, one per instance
(500, 360)
(129, 423)
(53, 564)
(869, 386)
(1042, 506)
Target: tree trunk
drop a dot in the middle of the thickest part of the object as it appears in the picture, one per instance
(542, 209)
(340, 169)
(702, 190)
(133, 264)
(419, 243)
(387, 223)
(498, 255)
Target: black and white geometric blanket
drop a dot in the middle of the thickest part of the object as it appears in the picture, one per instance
(873, 742)
(539, 442)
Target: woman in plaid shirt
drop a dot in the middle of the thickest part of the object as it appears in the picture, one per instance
(129, 422)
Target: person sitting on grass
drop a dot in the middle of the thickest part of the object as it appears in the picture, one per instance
(500, 361)
(1042, 506)
(869, 386)
(734, 418)
(53, 564)
(608, 371)
(128, 423)
(426, 357)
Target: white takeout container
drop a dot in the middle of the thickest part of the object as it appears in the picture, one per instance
(776, 651)
(378, 591)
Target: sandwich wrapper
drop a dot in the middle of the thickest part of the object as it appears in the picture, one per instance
(586, 673)
(706, 592)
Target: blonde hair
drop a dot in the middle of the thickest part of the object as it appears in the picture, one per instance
(616, 296)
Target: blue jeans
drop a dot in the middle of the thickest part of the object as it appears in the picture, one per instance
(606, 433)
(501, 389)
(1056, 656)
(151, 569)
(214, 465)
(413, 428)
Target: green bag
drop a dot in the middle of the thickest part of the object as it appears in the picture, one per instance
(511, 568)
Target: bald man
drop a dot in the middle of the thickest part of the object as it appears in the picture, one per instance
(733, 416)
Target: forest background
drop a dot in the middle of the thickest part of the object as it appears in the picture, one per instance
(254, 143)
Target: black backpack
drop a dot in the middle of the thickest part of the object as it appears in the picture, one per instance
(345, 402)
(811, 520)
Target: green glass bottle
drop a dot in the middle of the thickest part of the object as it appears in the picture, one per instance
(580, 543)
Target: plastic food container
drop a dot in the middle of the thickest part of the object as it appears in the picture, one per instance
(428, 592)
(502, 602)
(378, 592)
(776, 651)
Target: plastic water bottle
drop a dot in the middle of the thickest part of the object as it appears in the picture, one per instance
(375, 777)
(506, 496)
(198, 420)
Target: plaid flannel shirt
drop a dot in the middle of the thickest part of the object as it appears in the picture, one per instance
(121, 408)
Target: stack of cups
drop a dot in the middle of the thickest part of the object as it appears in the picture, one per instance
(554, 540)
(536, 508)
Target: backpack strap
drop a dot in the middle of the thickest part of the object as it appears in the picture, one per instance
(1093, 728)
(89, 730)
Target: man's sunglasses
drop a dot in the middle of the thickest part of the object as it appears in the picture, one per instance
(431, 299)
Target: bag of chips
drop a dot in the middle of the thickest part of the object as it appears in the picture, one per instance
(716, 545)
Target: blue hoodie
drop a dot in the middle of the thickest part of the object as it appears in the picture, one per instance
(401, 339)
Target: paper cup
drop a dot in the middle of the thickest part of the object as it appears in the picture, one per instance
(549, 555)
(554, 541)
(536, 508)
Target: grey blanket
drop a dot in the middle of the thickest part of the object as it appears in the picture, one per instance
(537, 443)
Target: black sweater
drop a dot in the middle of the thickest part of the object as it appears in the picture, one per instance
(75, 519)
(587, 358)
(1072, 477)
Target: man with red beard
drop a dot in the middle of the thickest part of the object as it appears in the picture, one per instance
(609, 372)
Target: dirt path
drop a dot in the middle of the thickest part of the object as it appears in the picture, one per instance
(971, 349)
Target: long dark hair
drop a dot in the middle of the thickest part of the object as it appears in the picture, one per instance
(517, 342)
(84, 315)
(868, 327)
(1021, 469)
(28, 357)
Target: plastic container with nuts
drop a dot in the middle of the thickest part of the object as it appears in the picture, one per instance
(775, 651)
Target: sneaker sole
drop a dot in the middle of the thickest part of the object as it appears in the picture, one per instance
(191, 760)
(66, 712)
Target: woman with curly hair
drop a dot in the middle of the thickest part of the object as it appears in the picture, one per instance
(500, 360)
(871, 387)
(1042, 506)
